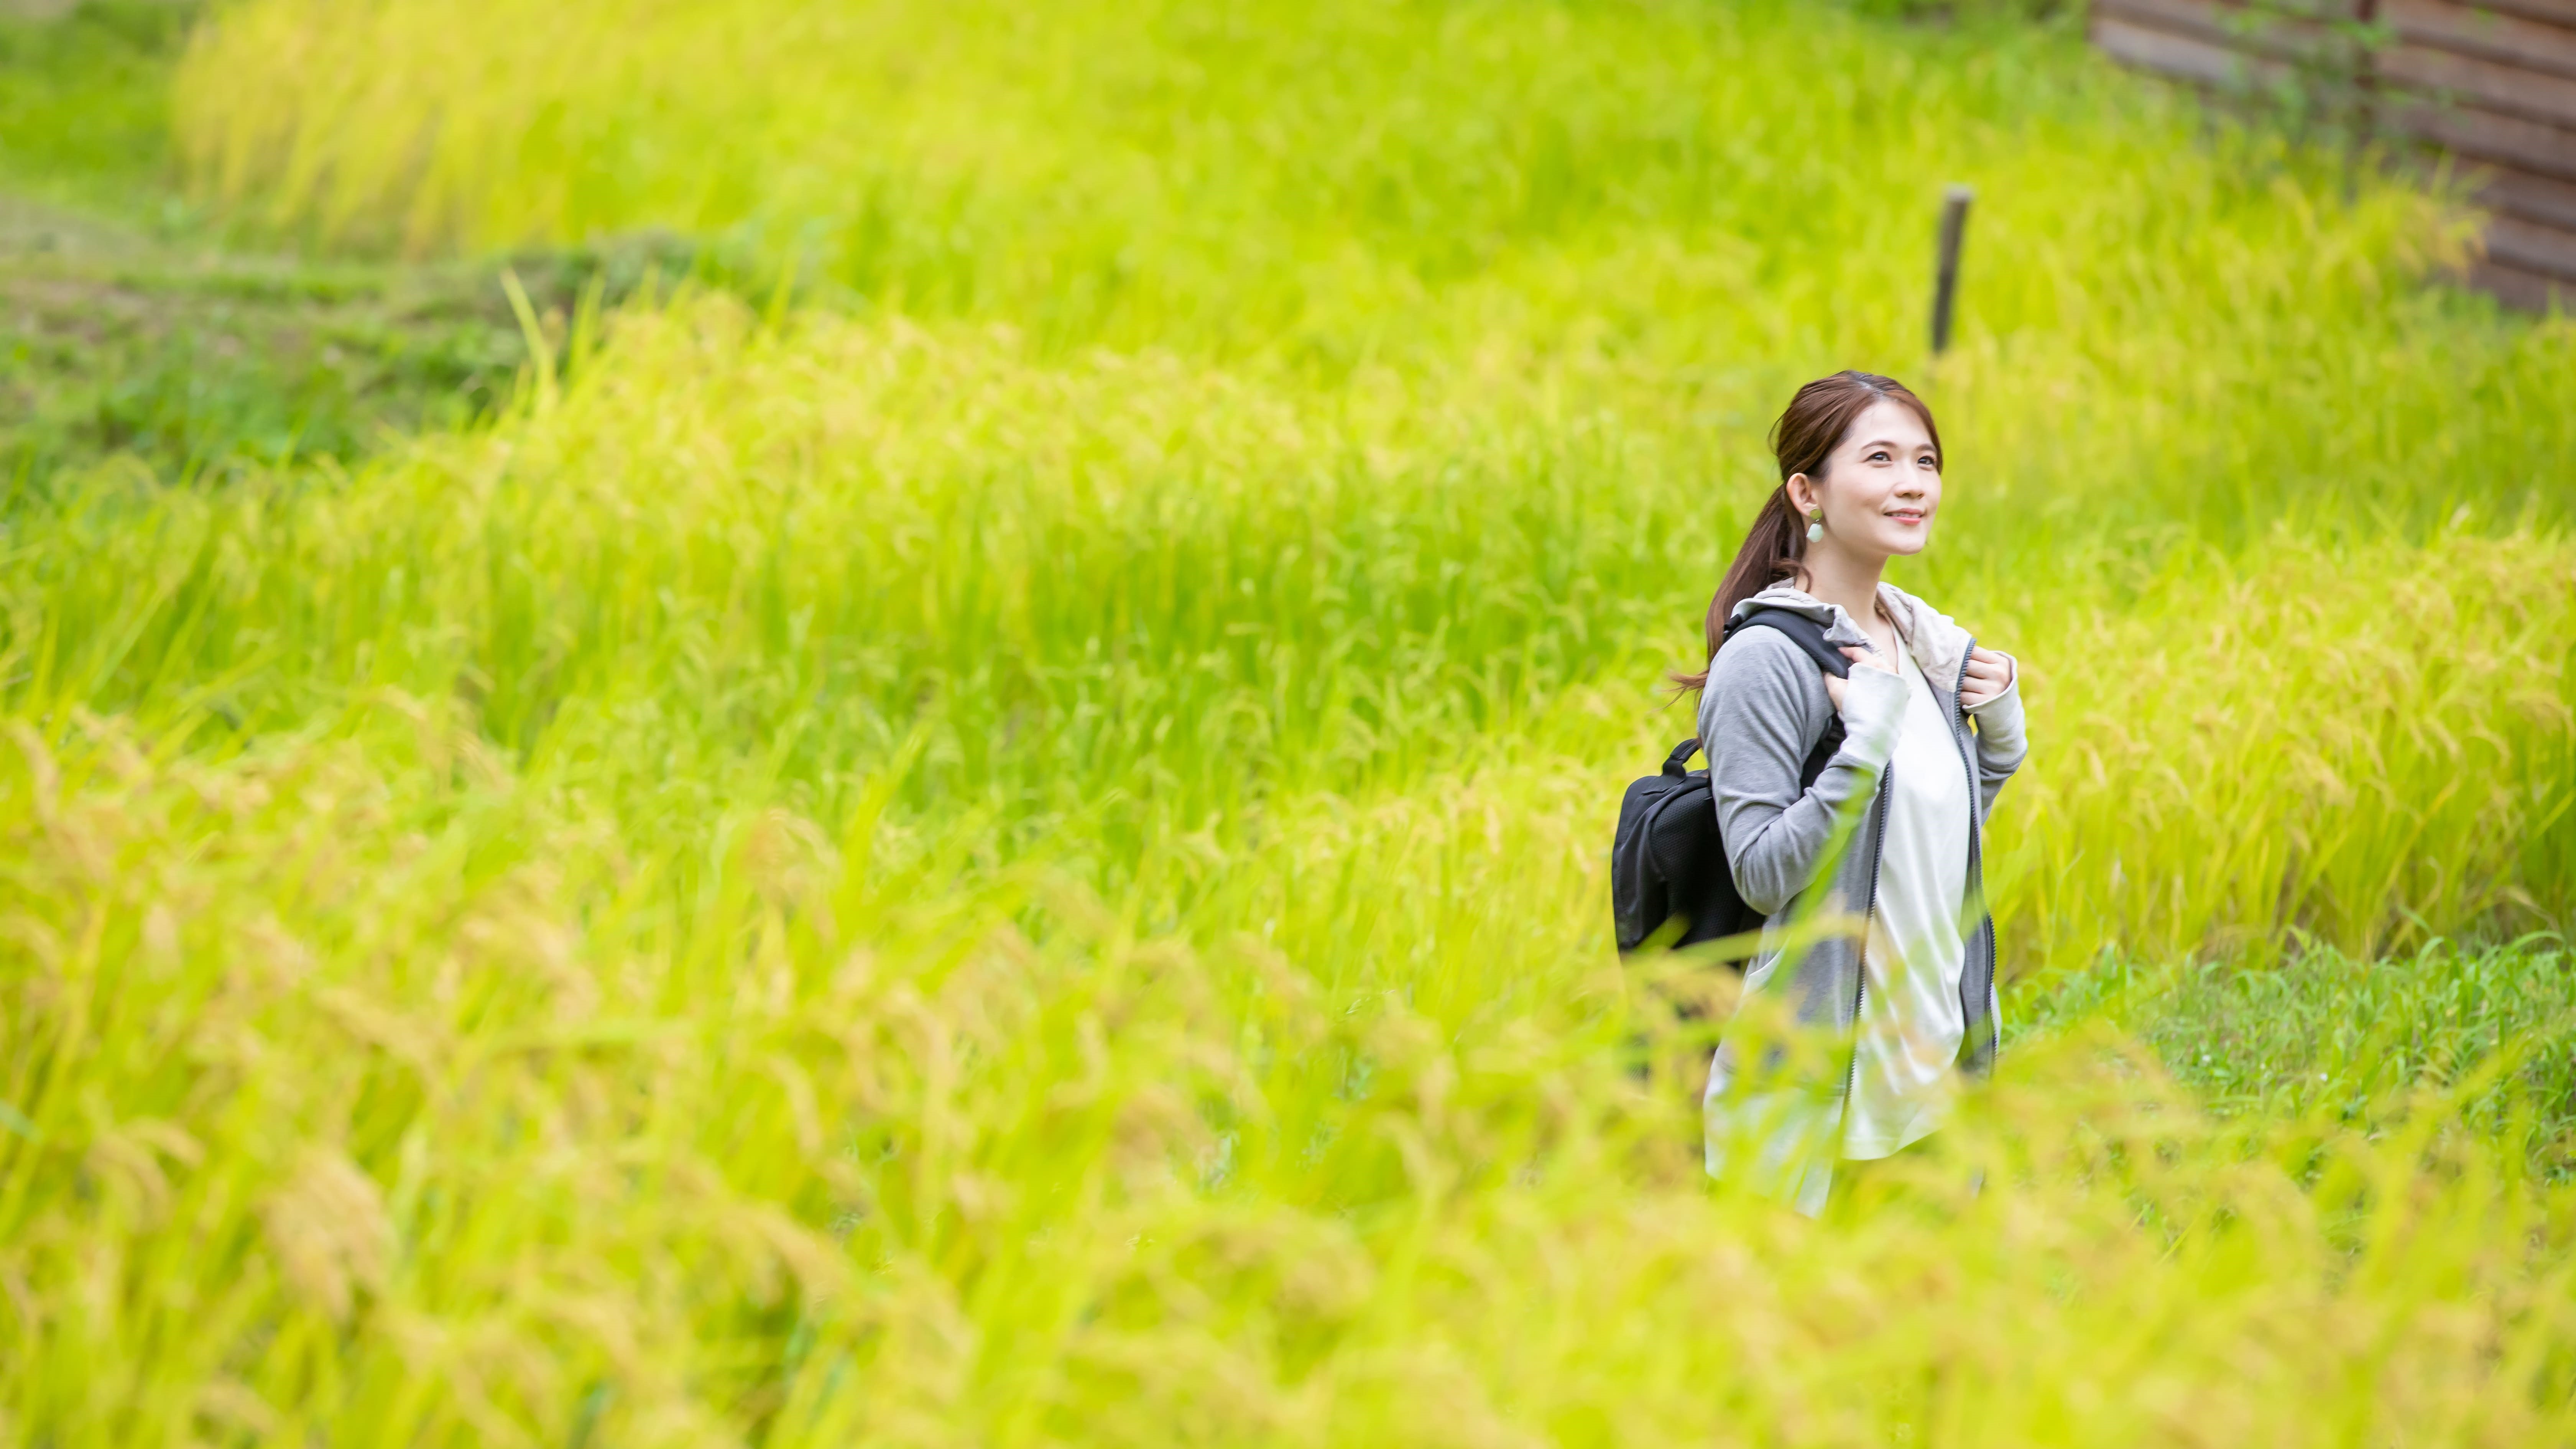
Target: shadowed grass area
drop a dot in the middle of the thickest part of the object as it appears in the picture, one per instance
(201, 364)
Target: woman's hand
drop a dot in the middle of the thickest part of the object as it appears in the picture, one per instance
(1989, 674)
(1860, 658)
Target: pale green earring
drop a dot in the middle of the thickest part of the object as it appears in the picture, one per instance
(1815, 525)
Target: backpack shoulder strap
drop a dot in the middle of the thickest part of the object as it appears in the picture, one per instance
(1808, 635)
(1804, 632)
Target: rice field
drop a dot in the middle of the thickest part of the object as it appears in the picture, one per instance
(980, 816)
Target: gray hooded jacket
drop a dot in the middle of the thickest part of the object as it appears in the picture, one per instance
(1812, 854)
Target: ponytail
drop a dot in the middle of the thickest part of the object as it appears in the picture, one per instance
(1774, 550)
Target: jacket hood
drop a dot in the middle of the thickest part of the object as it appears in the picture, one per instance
(1939, 646)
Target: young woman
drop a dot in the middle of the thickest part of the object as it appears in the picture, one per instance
(1887, 837)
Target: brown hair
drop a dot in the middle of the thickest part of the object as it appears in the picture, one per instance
(1804, 439)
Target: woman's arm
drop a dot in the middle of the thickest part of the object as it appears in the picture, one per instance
(1764, 708)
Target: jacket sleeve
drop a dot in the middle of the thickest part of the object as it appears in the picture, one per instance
(2001, 746)
(1764, 708)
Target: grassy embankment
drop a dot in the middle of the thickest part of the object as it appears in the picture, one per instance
(1016, 855)
(136, 324)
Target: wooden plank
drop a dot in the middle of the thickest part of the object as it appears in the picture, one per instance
(2485, 136)
(2492, 113)
(2556, 12)
(2315, 9)
(2543, 199)
(2518, 288)
(2203, 18)
(2486, 34)
(2233, 26)
(2532, 247)
(2482, 83)
(2186, 56)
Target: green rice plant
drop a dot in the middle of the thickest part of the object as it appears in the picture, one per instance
(356, 1091)
(758, 899)
(2273, 748)
(1008, 848)
(1132, 598)
(1666, 212)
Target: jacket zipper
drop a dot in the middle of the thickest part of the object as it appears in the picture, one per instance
(1976, 850)
(1869, 912)
(1878, 849)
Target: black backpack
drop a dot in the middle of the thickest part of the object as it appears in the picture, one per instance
(1668, 860)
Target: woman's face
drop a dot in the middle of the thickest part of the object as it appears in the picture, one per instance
(1881, 486)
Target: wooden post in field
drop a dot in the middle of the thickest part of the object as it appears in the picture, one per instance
(1945, 279)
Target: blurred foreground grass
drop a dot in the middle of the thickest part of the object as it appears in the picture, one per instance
(352, 1123)
(1008, 848)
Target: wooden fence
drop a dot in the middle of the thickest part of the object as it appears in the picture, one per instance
(2491, 83)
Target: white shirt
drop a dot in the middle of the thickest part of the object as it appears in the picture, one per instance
(1911, 1022)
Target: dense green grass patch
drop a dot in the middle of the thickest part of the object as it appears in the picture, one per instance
(85, 115)
(123, 347)
(2322, 1033)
